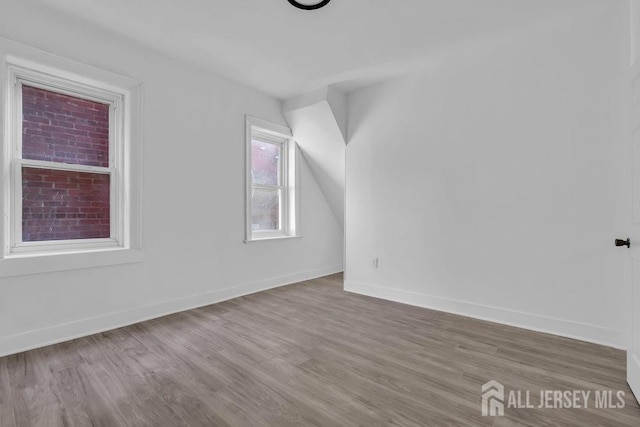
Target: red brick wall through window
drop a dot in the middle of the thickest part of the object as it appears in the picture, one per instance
(56, 204)
(63, 128)
(60, 205)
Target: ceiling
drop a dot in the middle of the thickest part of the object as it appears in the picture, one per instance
(284, 51)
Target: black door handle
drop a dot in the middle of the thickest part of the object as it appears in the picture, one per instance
(620, 242)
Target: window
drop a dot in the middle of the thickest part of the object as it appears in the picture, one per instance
(67, 153)
(271, 181)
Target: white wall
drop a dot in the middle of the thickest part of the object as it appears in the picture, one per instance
(489, 185)
(193, 204)
(318, 121)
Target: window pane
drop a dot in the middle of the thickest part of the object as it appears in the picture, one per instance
(60, 205)
(62, 128)
(265, 209)
(265, 163)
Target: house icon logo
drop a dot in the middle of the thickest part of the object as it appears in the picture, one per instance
(492, 399)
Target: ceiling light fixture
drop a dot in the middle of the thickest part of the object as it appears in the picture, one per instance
(309, 5)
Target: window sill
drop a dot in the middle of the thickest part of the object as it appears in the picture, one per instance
(30, 263)
(270, 238)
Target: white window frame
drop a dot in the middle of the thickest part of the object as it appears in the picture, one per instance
(123, 97)
(290, 183)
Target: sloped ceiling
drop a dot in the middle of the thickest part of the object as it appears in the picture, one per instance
(318, 121)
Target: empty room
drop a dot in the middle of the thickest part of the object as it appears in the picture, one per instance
(319, 213)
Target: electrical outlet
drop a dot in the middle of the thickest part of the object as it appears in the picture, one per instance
(374, 263)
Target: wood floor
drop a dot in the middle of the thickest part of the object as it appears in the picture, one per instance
(305, 354)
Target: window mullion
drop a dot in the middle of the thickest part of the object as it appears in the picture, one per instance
(267, 187)
(43, 164)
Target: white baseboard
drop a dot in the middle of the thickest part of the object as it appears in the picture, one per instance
(561, 327)
(64, 332)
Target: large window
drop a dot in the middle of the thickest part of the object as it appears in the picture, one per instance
(66, 156)
(271, 181)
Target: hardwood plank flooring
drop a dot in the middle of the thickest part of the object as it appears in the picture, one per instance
(306, 354)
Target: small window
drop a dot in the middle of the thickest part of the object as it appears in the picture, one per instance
(66, 158)
(271, 181)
